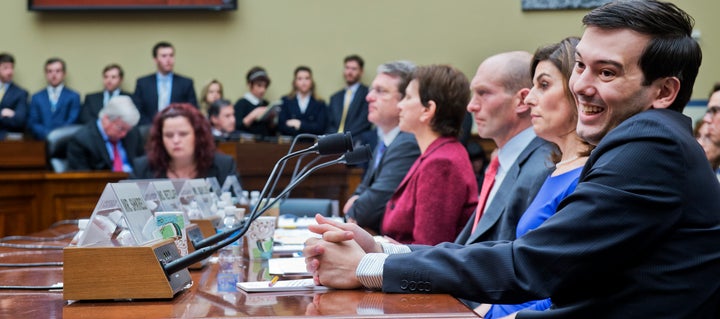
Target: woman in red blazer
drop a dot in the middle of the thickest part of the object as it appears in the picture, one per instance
(439, 193)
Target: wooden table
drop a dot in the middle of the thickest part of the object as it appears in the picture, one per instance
(22, 155)
(205, 298)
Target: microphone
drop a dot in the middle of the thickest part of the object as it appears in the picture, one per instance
(362, 154)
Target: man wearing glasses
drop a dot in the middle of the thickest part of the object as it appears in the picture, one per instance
(110, 143)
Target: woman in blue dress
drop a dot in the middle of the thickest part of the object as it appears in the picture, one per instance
(554, 118)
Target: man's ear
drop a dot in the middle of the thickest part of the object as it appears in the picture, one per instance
(520, 106)
(667, 91)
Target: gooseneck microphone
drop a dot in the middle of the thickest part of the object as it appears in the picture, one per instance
(360, 155)
(325, 145)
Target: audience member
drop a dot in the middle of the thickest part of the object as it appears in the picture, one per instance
(708, 135)
(156, 91)
(499, 88)
(554, 117)
(222, 119)
(94, 102)
(439, 193)
(111, 142)
(181, 146)
(251, 111)
(301, 110)
(396, 151)
(714, 99)
(630, 239)
(54, 106)
(348, 109)
(210, 93)
(13, 98)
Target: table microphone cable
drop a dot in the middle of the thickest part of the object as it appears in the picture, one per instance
(32, 246)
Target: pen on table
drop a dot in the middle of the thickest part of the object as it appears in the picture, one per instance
(273, 281)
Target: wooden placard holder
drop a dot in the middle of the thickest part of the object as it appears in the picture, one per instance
(136, 272)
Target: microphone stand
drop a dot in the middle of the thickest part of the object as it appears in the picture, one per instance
(205, 252)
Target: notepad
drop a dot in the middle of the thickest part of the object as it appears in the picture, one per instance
(281, 285)
(288, 266)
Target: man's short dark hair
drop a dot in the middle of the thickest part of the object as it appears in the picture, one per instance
(7, 58)
(161, 45)
(356, 58)
(114, 66)
(671, 52)
(214, 109)
(55, 60)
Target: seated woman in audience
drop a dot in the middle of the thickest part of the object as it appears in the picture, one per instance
(251, 109)
(210, 93)
(439, 193)
(554, 118)
(301, 111)
(180, 145)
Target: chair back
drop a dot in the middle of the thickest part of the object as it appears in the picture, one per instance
(308, 207)
(57, 141)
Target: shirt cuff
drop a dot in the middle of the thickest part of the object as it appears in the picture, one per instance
(391, 249)
(370, 270)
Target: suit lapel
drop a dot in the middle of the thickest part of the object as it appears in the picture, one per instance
(100, 145)
(499, 204)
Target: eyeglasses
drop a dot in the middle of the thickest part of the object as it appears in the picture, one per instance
(381, 91)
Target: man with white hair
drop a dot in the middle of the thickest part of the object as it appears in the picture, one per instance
(110, 143)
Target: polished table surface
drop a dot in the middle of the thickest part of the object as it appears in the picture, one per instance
(207, 298)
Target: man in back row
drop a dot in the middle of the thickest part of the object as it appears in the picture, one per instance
(638, 236)
(94, 102)
(348, 109)
(156, 91)
(13, 99)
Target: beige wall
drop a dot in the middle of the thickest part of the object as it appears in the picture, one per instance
(281, 34)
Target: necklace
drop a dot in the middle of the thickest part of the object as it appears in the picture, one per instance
(566, 161)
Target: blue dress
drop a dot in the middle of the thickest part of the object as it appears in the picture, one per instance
(552, 192)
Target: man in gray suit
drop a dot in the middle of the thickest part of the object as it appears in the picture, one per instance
(395, 153)
(499, 89)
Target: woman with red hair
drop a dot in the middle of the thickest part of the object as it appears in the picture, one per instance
(180, 145)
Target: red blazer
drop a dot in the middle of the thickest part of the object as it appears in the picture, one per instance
(436, 198)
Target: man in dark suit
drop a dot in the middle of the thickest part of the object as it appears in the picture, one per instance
(524, 159)
(13, 99)
(155, 92)
(112, 142)
(348, 109)
(94, 102)
(632, 240)
(54, 106)
(396, 151)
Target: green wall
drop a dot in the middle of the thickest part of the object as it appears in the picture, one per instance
(281, 34)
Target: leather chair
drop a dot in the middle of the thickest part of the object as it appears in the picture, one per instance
(308, 207)
(57, 141)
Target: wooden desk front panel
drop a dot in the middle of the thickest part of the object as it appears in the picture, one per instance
(21, 155)
(256, 161)
(33, 201)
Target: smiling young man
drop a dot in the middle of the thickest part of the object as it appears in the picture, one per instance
(638, 237)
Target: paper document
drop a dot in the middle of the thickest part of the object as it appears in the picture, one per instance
(281, 285)
(288, 266)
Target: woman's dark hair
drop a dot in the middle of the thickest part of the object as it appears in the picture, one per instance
(158, 157)
(450, 90)
(562, 56)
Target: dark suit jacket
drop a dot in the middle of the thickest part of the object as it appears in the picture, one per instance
(41, 120)
(313, 120)
(522, 182)
(637, 239)
(379, 183)
(223, 166)
(356, 121)
(435, 199)
(87, 152)
(243, 107)
(146, 95)
(92, 105)
(15, 98)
